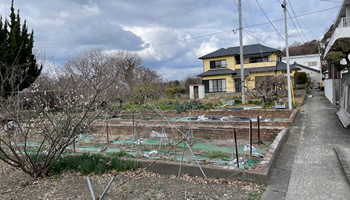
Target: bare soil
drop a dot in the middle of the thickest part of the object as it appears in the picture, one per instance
(15, 184)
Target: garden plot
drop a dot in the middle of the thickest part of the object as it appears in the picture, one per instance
(211, 144)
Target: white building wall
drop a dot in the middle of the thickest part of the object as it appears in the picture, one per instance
(305, 60)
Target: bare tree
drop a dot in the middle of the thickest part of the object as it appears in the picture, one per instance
(33, 139)
(298, 48)
(137, 82)
(191, 79)
(267, 87)
(147, 86)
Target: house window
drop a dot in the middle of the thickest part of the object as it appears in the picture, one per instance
(258, 59)
(215, 85)
(218, 64)
(238, 60)
(310, 63)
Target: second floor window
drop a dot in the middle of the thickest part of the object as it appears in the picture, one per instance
(258, 59)
(218, 64)
(253, 59)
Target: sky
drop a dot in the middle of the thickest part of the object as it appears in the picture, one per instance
(170, 35)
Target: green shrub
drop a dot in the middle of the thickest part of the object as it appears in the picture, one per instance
(270, 101)
(129, 107)
(222, 101)
(187, 105)
(298, 87)
(162, 106)
(121, 153)
(257, 102)
(206, 106)
(175, 92)
(300, 77)
(97, 163)
(238, 101)
(250, 101)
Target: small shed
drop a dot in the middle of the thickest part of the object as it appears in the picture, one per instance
(197, 91)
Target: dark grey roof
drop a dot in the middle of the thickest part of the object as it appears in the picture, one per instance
(237, 73)
(279, 66)
(254, 49)
(213, 72)
(306, 67)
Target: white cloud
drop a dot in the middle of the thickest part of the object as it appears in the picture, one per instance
(64, 27)
(179, 74)
(207, 47)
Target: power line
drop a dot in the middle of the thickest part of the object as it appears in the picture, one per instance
(269, 19)
(256, 38)
(295, 27)
(265, 35)
(162, 44)
(290, 4)
(309, 29)
(148, 23)
(298, 16)
(332, 1)
(152, 22)
(231, 30)
(216, 33)
(251, 15)
(242, 16)
(294, 23)
(279, 39)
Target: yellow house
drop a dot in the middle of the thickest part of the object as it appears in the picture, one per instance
(222, 68)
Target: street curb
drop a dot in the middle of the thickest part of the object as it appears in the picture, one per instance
(343, 163)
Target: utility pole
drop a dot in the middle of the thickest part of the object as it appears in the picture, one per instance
(284, 5)
(241, 50)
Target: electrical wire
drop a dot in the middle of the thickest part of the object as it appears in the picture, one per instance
(256, 38)
(310, 29)
(296, 27)
(298, 16)
(251, 15)
(152, 22)
(294, 23)
(290, 4)
(247, 26)
(269, 19)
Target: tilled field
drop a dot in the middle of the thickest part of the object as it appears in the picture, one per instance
(15, 184)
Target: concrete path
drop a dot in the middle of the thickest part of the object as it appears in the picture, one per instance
(308, 167)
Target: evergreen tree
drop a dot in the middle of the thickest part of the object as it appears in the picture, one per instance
(17, 61)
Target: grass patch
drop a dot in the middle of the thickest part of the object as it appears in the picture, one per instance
(216, 154)
(97, 163)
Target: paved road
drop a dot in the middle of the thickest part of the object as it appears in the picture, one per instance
(308, 167)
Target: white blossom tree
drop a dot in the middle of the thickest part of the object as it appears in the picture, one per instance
(33, 137)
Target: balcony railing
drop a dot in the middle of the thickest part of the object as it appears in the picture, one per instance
(344, 22)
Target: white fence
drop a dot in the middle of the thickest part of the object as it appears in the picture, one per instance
(344, 22)
(328, 89)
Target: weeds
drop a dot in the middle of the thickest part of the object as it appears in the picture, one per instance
(216, 154)
(97, 163)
